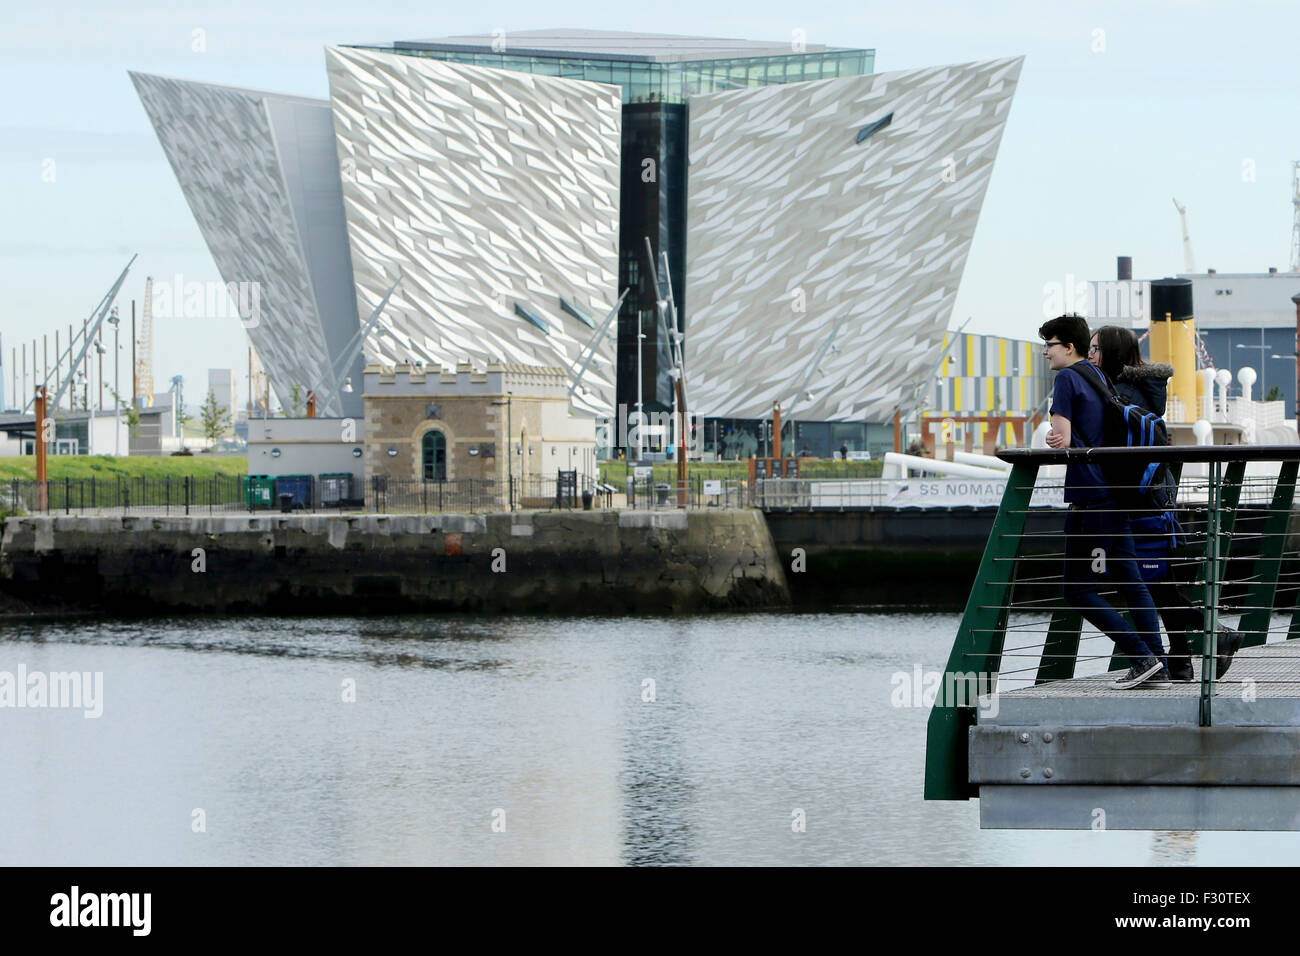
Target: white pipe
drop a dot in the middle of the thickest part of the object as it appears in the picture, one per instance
(1223, 378)
(981, 461)
(1246, 376)
(899, 466)
(1207, 379)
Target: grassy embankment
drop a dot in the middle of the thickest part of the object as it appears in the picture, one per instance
(132, 466)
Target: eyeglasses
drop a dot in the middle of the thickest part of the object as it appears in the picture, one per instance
(1048, 345)
(1092, 349)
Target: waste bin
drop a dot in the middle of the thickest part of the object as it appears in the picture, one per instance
(586, 500)
(335, 488)
(258, 491)
(661, 493)
(286, 502)
(298, 487)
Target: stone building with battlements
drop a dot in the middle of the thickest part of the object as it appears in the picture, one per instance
(493, 424)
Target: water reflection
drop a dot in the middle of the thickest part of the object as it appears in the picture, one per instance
(548, 721)
(657, 791)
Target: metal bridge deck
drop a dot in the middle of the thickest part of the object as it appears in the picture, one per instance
(1262, 688)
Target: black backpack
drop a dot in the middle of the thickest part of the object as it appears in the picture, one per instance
(1125, 425)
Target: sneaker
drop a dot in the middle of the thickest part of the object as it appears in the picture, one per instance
(1229, 643)
(1147, 671)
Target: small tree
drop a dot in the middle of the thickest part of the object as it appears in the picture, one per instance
(296, 408)
(131, 412)
(215, 418)
(1274, 394)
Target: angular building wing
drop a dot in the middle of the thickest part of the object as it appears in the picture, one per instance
(828, 224)
(495, 194)
(259, 171)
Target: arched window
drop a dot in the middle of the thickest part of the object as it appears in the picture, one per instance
(433, 456)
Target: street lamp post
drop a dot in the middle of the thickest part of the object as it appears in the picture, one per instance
(116, 321)
(640, 407)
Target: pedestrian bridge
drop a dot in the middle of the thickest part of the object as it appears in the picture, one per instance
(1027, 720)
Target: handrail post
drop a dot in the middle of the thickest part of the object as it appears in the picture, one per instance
(1213, 528)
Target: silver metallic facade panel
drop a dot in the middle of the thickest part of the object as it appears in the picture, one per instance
(304, 137)
(785, 210)
(485, 189)
(222, 145)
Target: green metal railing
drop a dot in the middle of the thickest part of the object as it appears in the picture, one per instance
(1021, 574)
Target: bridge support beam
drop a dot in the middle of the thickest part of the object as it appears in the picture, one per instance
(1124, 777)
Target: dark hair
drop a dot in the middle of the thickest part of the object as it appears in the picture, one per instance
(1119, 348)
(1070, 330)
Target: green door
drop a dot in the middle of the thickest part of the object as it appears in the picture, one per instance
(433, 454)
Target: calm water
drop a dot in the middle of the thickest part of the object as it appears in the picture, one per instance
(539, 725)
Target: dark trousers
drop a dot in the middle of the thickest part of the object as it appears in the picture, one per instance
(1099, 551)
(1181, 618)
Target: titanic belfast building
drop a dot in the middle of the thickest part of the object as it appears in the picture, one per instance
(815, 215)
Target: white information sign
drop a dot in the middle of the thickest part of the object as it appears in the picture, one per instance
(964, 492)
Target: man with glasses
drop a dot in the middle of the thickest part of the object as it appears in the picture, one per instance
(1098, 539)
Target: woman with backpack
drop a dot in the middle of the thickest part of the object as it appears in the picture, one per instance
(1115, 350)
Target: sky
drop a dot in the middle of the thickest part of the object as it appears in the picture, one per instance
(1120, 108)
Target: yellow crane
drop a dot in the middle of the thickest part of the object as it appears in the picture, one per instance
(144, 350)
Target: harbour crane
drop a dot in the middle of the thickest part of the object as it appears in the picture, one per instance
(1295, 228)
(144, 357)
(1189, 263)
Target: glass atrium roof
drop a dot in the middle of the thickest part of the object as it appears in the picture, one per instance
(650, 68)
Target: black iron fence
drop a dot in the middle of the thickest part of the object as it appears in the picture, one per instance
(167, 495)
(222, 494)
(697, 492)
(568, 490)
